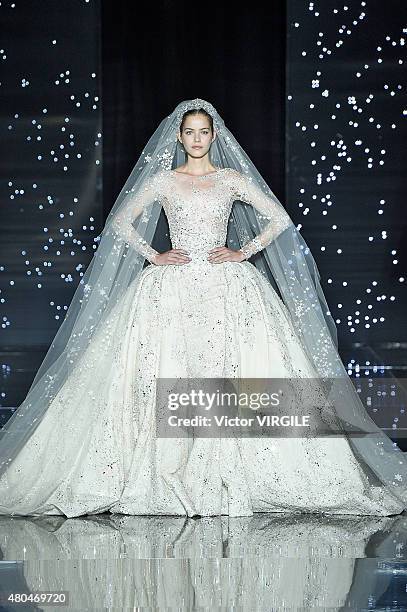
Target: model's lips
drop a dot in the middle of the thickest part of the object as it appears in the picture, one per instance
(196, 147)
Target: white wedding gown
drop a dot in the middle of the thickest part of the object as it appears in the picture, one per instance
(95, 449)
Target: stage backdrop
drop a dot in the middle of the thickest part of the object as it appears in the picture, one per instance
(51, 173)
(345, 164)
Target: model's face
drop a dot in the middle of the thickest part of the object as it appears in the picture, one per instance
(196, 135)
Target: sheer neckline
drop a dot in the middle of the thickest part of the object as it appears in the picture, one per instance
(198, 175)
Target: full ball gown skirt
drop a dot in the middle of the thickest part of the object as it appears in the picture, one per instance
(95, 449)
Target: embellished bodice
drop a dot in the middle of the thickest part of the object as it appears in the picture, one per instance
(198, 209)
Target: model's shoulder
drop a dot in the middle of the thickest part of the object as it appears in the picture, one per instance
(232, 176)
(232, 173)
(232, 170)
(160, 178)
(162, 173)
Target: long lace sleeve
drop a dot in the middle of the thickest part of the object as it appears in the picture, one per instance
(123, 221)
(279, 220)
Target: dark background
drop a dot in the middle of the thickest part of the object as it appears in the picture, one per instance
(50, 174)
(232, 57)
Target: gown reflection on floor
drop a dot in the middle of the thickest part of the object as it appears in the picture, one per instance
(252, 562)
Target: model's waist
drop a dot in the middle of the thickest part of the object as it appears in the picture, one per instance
(198, 252)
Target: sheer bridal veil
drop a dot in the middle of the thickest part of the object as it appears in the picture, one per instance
(286, 262)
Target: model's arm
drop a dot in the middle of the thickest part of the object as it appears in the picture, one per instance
(248, 191)
(131, 209)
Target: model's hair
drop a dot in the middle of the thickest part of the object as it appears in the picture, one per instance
(196, 111)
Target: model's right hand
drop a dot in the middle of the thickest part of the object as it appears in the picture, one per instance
(173, 257)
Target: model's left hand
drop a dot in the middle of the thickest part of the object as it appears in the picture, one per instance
(221, 254)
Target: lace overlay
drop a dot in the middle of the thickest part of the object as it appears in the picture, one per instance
(278, 219)
(96, 450)
(221, 187)
(133, 208)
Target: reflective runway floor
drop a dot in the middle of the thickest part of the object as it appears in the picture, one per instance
(269, 562)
